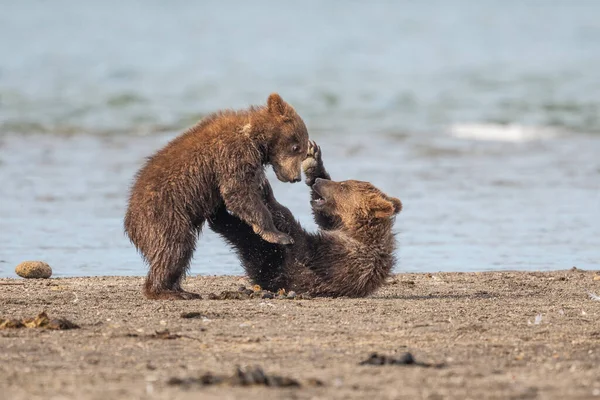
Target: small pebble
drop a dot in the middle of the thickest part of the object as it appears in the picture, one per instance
(33, 270)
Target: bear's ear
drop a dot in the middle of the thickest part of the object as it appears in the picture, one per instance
(276, 105)
(397, 204)
(382, 208)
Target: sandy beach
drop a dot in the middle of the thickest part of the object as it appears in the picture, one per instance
(497, 335)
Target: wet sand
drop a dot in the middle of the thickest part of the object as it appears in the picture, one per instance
(500, 335)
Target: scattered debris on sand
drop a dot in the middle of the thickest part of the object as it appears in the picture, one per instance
(41, 321)
(242, 376)
(256, 292)
(404, 359)
(163, 335)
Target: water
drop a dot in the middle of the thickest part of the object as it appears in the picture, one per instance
(483, 118)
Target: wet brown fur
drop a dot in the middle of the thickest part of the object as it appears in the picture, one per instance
(352, 253)
(219, 162)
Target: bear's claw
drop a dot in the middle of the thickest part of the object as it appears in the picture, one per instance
(277, 238)
(314, 150)
(312, 164)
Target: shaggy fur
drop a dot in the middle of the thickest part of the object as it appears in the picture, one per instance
(217, 163)
(351, 254)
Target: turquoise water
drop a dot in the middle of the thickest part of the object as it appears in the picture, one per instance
(482, 117)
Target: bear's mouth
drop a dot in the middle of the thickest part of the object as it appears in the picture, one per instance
(318, 200)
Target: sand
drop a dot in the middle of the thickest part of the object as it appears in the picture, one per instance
(497, 335)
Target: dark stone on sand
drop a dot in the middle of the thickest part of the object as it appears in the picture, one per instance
(379, 359)
(251, 376)
(192, 314)
(404, 359)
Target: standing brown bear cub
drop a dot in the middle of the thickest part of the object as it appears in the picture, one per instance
(217, 163)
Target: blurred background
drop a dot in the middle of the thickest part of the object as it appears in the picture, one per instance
(483, 117)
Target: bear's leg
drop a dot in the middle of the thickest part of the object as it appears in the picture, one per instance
(168, 264)
(282, 217)
(262, 261)
(313, 168)
(243, 196)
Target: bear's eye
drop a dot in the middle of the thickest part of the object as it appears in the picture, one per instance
(295, 148)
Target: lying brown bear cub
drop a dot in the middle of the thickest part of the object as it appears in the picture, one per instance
(352, 253)
(217, 163)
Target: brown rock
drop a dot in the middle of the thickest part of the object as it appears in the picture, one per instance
(33, 270)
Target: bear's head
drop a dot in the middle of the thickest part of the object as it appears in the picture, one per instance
(354, 202)
(288, 142)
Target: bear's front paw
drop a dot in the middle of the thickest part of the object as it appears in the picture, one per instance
(277, 237)
(312, 164)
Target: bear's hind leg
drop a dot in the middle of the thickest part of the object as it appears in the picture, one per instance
(168, 266)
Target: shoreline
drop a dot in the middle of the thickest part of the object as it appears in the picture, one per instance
(11, 275)
(494, 334)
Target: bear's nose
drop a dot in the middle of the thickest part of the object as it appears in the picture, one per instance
(296, 179)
